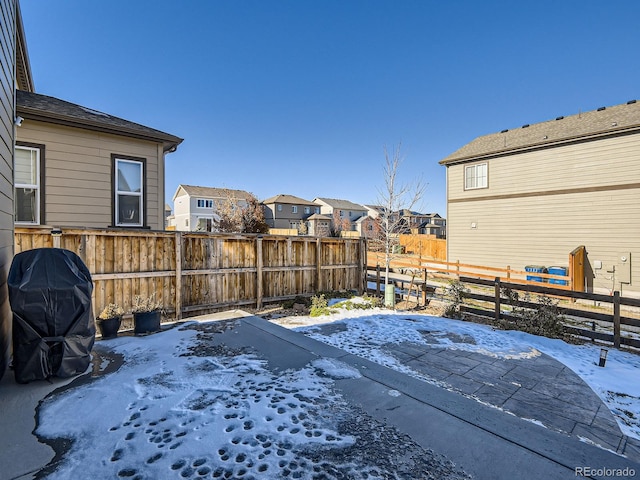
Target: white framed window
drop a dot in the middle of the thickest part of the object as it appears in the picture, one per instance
(294, 209)
(317, 209)
(279, 207)
(475, 176)
(307, 210)
(204, 224)
(129, 192)
(204, 203)
(27, 184)
(341, 213)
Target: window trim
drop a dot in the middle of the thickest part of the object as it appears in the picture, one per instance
(114, 192)
(208, 203)
(475, 167)
(41, 187)
(294, 209)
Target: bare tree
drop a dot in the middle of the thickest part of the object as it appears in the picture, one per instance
(339, 224)
(393, 197)
(239, 215)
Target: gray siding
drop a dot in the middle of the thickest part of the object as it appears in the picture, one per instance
(540, 205)
(7, 107)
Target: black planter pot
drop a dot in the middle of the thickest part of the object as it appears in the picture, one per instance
(146, 322)
(109, 327)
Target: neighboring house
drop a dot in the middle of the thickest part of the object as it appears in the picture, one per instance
(78, 167)
(413, 220)
(368, 227)
(288, 211)
(341, 209)
(319, 225)
(168, 214)
(374, 211)
(433, 224)
(529, 196)
(15, 72)
(194, 208)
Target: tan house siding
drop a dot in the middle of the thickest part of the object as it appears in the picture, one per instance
(78, 170)
(7, 108)
(540, 205)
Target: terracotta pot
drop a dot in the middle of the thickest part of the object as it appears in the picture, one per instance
(146, 322)
(109, 327)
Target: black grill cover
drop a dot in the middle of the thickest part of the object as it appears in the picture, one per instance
(53, 326)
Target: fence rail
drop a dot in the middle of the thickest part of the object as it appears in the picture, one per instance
(613, 326)
(457, 269)
(194, 273)
(614, 320)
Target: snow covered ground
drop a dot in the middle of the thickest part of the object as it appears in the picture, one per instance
(617, 384)
(177, 408)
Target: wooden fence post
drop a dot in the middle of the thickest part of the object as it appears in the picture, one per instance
(318, 264)
(377, 279)
(497, 296)
(178, 253)
(259, 263)
(424, 288)
(616, 319)
(363, 264)
(458, 269)
(508, 272)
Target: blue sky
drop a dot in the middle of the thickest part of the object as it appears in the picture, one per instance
(300, 96)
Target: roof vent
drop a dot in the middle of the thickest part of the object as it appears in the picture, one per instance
(630, 102)
(559, 118)
(504, 131)
(525, 126)
(601, 109)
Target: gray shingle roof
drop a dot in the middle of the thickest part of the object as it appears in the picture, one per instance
(35, 106)
(288, 200)
(212, 192)
(584, 125)
(341, 204)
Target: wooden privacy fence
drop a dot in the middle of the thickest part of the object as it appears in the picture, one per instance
(426, 246)
(611, 323)
(194, 273)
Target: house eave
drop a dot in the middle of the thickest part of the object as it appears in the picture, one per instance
(542, 145)
(169, 142)
(24, 76)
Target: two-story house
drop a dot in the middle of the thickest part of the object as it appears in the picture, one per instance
(531, 195)
(194, 208)
(288, 211)
(342, 211)
(433, 224)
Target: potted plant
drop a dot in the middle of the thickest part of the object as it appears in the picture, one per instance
(109, 320)
(146, 314)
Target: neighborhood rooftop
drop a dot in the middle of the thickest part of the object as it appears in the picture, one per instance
(603, 121)
(39, 107)
(288, 199)
(212, 192)
(341, 204)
